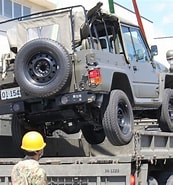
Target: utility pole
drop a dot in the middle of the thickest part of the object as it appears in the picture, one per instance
(138, 17)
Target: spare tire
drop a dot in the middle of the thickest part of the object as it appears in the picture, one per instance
(42, 67)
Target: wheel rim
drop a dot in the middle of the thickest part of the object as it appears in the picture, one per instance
(42, 68)
(123, 118)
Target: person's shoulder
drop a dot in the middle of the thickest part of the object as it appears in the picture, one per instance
(29, 163)
(18, 164)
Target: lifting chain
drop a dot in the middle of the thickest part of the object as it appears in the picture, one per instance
(137, 155)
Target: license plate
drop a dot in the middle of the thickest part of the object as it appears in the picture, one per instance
(10, 93)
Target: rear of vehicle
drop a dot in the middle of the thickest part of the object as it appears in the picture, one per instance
(39, 70)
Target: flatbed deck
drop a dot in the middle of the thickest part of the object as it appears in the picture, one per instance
(70, 161)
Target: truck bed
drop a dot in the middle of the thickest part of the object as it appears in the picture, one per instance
(97, 164)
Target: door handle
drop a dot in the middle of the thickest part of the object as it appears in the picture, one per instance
(135, 68)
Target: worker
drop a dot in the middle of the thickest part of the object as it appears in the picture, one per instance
(28, 171)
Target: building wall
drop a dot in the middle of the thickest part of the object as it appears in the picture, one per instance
(38, 5)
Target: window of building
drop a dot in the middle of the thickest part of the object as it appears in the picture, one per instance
(0, 7)
(7, 8)
(12, 9)
(17, 10)
(26, 10)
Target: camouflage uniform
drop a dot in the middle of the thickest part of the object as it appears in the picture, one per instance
(28, 172)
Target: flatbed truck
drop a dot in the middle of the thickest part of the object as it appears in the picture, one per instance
(147, 159)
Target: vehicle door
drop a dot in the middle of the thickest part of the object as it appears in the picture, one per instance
(144, 74)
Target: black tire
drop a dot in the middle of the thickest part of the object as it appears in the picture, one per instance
(93, 136)
(42, 67)
(165, 177)
(166, 117)
(151, 181)
(118, 119)
(17, 130)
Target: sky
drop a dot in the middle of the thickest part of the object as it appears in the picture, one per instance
(160, 12)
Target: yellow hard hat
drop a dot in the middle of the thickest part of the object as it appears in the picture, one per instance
(32, 141)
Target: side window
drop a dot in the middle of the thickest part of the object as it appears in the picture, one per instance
(136, 48)
(113, 41)
(115, 44)
(108, 36)
(105, 36)
(128, 43)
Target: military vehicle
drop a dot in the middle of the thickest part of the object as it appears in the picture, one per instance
(74, 70)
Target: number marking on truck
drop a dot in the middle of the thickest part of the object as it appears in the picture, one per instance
(116, 170)
(10, 93)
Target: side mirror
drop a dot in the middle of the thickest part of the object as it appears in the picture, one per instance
(154, 50)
